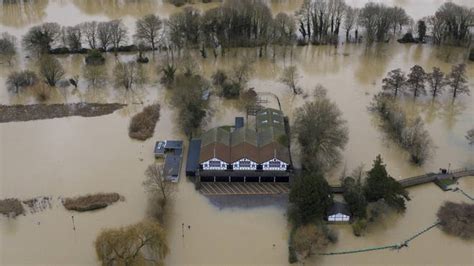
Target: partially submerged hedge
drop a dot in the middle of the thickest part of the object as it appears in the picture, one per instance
(11, 207)
(90, 202)
(457, 219)
(142, 125)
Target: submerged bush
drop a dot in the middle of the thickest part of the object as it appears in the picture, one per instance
(22, 79)
(409, 133)
(42, 92)
(309, 239)
(457, 219)
(142, 125)
(359, 227)
(95, 57)
(11, 207)
(90, 202)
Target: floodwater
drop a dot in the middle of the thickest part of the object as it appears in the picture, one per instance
(75, 156)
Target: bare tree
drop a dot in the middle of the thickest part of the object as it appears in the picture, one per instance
(350, 20)
(321, 132)
(50, 69)
(416, 139)
(290, 77)
(118, 34)
(376, 18)
(148, 28)
(157, 184)
(128, 75)
(19, 80)
(437, 81)
(104, 34)
(40, 38)
(7, 47)
(132, 245)
(74, 38)
(240, 72)
(457, 80)
(394, 82)
(95, 75)
(416, 80)
(90, 32)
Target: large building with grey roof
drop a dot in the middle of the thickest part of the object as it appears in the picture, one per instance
(246, 152)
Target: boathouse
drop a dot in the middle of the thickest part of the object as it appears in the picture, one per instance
(242, 153)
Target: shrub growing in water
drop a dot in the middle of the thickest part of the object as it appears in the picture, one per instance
(457, 219)
(20, 80)
(142, 125)
(90, 202)
(11, 207)
(94, 57)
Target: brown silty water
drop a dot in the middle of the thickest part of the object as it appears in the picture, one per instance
(75, 156)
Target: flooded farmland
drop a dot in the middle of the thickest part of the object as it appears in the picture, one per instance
(74, 156)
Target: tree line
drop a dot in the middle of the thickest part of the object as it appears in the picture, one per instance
(397, 82)
(248, 23)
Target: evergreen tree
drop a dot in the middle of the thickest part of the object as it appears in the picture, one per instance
(380, 185)
(310, 197)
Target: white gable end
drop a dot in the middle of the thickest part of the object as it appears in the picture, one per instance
(339, 217)
(274, 165)
(214, 164)
(244, 164)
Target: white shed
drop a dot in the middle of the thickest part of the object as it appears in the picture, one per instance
(339, 212)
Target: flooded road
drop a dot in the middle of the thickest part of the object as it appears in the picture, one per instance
(75, 156)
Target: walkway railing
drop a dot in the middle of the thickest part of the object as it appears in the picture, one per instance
(393, 247)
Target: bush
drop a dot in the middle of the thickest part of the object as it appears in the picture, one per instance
(359, 227)
(142, 125)
(42, 92)
(231, 90)
(407, 38)
(95, 57)
(457, 219)
(292, 256)
(218, 78)
(90, 202)
(20, 80)
(309, 239)
(11, 207)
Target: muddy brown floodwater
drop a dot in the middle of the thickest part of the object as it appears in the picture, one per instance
(75, 156)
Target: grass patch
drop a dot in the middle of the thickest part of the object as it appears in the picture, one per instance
(444, 183)
(11, 207)
(143, 124)
(90, 202)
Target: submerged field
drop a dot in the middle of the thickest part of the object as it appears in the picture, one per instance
(86, 155)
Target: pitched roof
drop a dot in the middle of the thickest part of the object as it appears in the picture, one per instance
(215, 150)
(273, 150)
(214, 135)
(260, 145)
(339, 207)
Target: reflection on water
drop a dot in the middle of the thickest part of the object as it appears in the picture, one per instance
(20, 13)
(117, 8)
